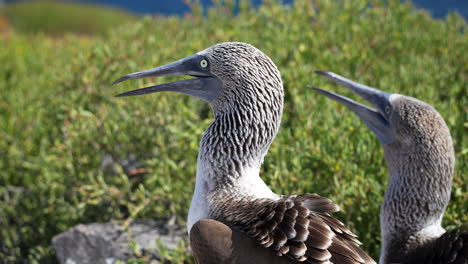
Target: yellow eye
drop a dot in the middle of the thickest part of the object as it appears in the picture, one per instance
(203, 63)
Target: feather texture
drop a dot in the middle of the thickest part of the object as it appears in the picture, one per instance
(295, 226)
(450, 248)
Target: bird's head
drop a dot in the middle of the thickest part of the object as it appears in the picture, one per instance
(226, 75)
(396, 118)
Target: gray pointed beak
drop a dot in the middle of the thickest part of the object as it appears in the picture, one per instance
(205, 86)
(376, 119)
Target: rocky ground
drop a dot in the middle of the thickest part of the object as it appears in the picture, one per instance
(108, 242)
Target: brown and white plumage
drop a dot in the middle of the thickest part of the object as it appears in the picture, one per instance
(228, 245)
(244, 89)
(419, 153)
(298, 227)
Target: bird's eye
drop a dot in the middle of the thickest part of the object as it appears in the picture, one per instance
(387, 110)
(204, 63)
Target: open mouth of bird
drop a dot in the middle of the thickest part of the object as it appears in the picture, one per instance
(204, 85)
(377, 119)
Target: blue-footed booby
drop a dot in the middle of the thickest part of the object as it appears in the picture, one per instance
(420, 157)
(234, 217)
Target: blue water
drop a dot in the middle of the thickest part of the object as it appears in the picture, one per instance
(438, 8)
(165, 7)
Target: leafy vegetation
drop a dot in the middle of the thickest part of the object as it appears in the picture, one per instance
(72, 153)
(57, 17)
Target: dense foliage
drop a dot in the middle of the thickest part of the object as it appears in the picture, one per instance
(58, 17)
(72, 153)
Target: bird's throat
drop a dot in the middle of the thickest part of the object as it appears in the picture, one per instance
(231, 153)
(235, 144)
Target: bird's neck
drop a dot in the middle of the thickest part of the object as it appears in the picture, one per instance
(416, 197)
(402, 248)
(231, 153)
(234, 145)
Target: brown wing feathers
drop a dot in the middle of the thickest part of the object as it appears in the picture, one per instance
(299, 227)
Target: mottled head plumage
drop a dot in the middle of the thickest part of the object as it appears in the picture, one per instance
(247, 110)
(415, 121)
(247, 74)
(243, 87)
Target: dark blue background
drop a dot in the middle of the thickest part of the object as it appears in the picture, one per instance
(438, 8)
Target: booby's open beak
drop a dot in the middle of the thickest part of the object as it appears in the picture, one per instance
(376, 119)
(206, 86)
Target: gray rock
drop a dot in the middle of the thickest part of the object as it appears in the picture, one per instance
(107, 242)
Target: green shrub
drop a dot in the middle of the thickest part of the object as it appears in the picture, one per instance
(57, 17)
(59, 119)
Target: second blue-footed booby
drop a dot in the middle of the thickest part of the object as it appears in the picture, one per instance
(244, 89)
(419, 153)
